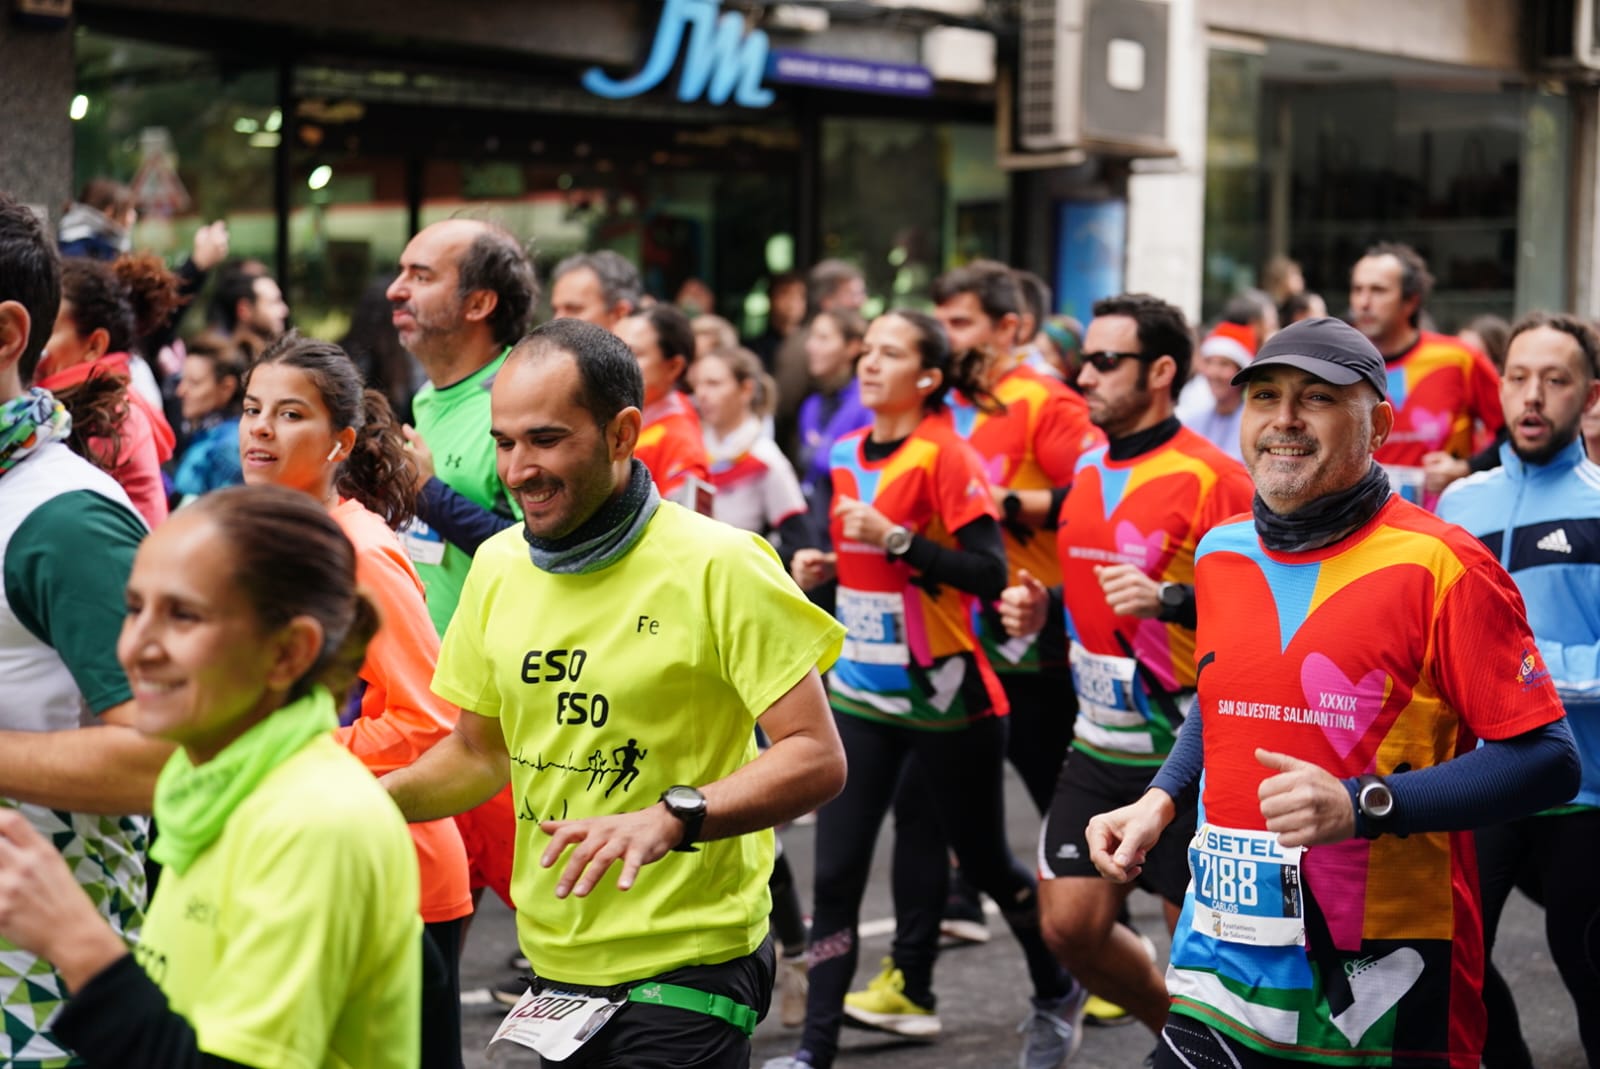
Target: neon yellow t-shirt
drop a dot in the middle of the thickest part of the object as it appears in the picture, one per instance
(294, 941)
(611, 687)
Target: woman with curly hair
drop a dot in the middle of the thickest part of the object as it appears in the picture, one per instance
(105, 309)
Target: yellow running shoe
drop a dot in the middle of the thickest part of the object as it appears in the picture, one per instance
(1097, 1011)
(884, 1006)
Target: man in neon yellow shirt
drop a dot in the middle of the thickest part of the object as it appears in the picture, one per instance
(611, 659)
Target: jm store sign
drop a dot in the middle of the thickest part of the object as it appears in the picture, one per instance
(722, 61)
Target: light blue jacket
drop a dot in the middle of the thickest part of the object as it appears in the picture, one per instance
(1543, 522)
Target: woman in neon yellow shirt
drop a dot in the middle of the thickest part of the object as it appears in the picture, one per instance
(285, 929)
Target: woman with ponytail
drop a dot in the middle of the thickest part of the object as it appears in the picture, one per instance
(284, 930)
(309, 425)
(917, 546)
(88, 365)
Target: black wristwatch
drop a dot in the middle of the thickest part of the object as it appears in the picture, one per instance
(1177, 602)
(1375, 802)
(688, 805)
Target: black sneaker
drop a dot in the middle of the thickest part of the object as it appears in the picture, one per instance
(510, 992)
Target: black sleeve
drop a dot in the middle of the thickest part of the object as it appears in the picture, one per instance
(1488, 458)
(978, 567)
(121, 1019)
(794, 533)
(464, 524)
(1052, 522)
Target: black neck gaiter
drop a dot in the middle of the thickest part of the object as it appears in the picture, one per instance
(1325, 520)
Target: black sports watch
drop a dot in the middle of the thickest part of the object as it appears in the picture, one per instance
(1177, 604)
(1375, 801)
(688, 805)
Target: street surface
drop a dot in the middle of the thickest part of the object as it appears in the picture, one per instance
(983, 989)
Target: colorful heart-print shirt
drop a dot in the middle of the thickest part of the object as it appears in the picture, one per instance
(910, 654)
(1032, 443)
(1446, 397)
(1149, 511)
(1397, 648)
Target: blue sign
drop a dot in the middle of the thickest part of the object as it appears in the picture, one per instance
(1091, 245)
(837, 72)
(719, 60)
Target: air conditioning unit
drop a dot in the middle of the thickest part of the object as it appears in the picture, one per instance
(1564, 35)
(1093, 74)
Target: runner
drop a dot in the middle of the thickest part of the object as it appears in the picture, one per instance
(1128, 530)
(622, 709)
(105, 309)
(917, 542)
(309, 426)
(1539, 512)
(755, 483)
(284, 931)
(1355, 651)
(670, 444)
(1028, 429)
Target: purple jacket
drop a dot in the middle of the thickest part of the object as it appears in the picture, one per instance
(823, 419)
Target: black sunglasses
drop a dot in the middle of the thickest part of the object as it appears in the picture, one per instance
(1106, 360)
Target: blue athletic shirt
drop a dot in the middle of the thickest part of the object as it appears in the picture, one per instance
(1543, 522)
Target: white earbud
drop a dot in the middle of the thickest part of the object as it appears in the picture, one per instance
(924, 382)
(333, 454)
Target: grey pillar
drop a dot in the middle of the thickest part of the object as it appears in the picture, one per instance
(36, 86)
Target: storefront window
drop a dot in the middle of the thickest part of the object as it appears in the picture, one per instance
(1234, 236)
(194, 133)
(907, 200)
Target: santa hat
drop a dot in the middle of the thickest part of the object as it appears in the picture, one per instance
(1231, 341)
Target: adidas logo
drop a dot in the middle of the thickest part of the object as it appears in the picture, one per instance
(1555, 542)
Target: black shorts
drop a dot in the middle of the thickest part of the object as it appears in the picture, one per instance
(1089, 786)
(645, 1036)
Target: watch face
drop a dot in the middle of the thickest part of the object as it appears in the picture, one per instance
(1377, 801)
(684, 798)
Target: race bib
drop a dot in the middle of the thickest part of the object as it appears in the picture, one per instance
(1246, 887)
(875, 625)
(555, 1023)
(423, 544)
(1105, 688)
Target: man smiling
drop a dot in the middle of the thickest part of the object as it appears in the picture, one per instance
(1352, 651)
(611, 660)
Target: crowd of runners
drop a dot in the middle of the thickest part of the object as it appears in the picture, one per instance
(1292, 621)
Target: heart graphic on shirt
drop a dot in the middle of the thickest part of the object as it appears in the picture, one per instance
(995, 469)
(1138, 547)
(1347, 710)
(1428, 427)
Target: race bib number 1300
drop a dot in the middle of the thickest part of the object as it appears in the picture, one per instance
(1246, 887)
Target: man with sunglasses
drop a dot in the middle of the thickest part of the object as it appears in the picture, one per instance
(1126, 538)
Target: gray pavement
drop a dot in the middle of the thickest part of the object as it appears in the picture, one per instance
(983, 990)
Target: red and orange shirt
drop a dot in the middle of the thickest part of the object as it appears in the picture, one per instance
(1032, 444)
(910, 655)
(1133, 676)
(401, 718)
(1397, 648)
(1446, 397)
(670, 444)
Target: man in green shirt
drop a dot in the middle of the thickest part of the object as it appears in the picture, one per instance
(464, 295)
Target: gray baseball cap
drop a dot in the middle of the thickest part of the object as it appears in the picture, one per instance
(1328, 348)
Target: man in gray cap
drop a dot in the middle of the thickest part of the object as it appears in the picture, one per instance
(1353, 650)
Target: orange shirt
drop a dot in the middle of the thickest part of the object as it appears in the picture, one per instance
(670, 444)
(401, 718)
